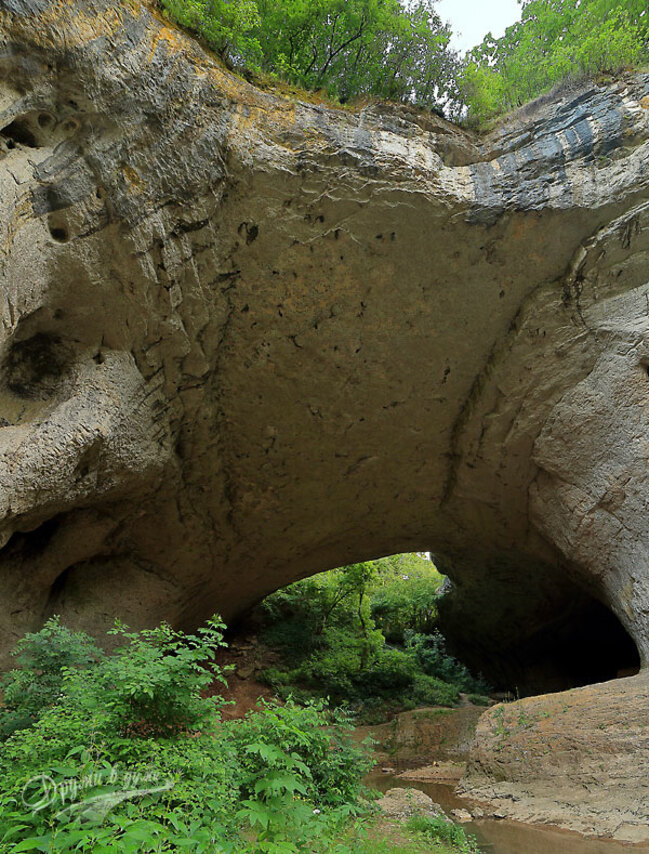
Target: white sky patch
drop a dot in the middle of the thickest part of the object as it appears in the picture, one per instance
(471, 20)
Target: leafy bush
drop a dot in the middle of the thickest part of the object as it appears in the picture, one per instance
(398, 606)
(391, 673)
(131, 757)
(479, 699)
(36, 685)
(442, 830)
(332, 764)
(429, 691)
(432, 657)
(152, 683)
(225, 25)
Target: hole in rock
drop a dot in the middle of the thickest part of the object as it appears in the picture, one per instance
(365, 635)
(89, 460)
(56, 590)
(585, 645)
(59, 233)
(29, 544)
(371, 635)
(71, 126)
(34, 367)
(19, 132)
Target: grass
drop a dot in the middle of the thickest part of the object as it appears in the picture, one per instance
(418, 836)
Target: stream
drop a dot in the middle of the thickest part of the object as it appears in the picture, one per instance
(508, 837)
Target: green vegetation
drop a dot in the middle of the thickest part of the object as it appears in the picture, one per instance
(364, 635)
(124, 752)
(349, 48)
(555, 41)
(38, 681)
(386, 49)
(439, 830)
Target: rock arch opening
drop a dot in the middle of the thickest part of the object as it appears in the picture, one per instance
(567, 640)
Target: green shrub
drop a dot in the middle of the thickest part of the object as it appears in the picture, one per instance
(95, 742)
(392, 673)
(187, 791)
(36, 685)
(151, 684)
(332, 763)
(479, 699)
(429, 691)
(442, 830)
(433, 659)
(133, 759)
(406, 604)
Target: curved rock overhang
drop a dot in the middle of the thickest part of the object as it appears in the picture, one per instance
(245, 339)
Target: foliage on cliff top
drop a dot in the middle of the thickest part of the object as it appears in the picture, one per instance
(555, 41)
(349, 48)
(392, 50)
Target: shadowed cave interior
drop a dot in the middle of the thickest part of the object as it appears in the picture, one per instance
(583, 643)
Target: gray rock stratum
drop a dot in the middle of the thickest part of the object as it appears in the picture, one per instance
(245, 339)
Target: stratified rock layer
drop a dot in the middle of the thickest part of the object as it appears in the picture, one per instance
(245, 339)
(579, 759)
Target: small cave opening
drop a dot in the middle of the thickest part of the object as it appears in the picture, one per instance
(57, 590)
(33, 368)
(59, 231)
(19, 132)
(28, 545)
(585, 644)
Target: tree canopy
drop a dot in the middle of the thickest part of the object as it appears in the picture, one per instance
(555, 40)
(350, 48)
(400, 50)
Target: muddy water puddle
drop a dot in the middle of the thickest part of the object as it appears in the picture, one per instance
(508, 837)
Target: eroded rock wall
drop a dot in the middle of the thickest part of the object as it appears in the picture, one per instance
(245, 339)
(578, 759)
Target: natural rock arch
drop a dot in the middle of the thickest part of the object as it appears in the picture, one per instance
(245, 339)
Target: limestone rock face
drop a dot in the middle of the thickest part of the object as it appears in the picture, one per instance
(245, 339)
(579, 759)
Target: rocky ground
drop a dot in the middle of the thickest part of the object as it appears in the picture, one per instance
(576, 759)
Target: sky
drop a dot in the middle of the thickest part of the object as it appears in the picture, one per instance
(471, 20)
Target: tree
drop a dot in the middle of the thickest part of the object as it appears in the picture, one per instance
(351, 48)
(554, 40)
